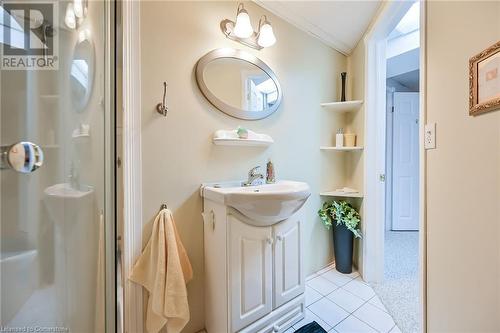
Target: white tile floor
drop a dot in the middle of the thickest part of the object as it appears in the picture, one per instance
(344, 303)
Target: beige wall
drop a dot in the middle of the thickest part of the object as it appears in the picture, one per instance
(177, 151)
(356, 124)
(463, 175)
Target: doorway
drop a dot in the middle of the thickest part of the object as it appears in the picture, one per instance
(399, 288)
(393, 165)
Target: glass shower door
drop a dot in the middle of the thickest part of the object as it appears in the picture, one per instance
(53, 193)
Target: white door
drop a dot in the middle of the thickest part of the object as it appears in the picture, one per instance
(405, 162)
(250, 269)
(288, 266)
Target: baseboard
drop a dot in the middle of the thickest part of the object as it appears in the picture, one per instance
(321, 271)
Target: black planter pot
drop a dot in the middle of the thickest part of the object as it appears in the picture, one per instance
(343, 245)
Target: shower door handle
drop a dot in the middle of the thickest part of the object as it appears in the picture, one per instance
(23, 157)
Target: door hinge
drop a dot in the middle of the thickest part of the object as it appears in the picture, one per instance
(381, 177)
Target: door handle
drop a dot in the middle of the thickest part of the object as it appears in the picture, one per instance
(23, 157)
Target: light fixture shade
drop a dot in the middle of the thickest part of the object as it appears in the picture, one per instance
(78, 8)
(243, 27)
(69, 17)
(266, 35)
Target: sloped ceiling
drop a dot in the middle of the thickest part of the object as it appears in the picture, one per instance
(339, 24)
(410, 80)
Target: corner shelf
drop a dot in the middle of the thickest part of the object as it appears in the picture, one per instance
(51, 146)
(341, 194)
(347, 106)
(49, 97)
(342, 108)
(48, 103)
(345, 149)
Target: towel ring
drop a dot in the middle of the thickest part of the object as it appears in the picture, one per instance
(163, 206)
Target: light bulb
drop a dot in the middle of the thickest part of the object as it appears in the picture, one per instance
(243, 27)
(83, 35)
(78, 8)
(69, 18)
(266, 35)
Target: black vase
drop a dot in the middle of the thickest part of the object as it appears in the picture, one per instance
(343, 75)
(343, 245)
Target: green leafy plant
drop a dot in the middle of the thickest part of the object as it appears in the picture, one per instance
(340, 212)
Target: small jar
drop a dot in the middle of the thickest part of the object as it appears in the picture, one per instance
(350, 139)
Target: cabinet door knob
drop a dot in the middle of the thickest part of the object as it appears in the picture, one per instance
(269, 240)
(279, 238)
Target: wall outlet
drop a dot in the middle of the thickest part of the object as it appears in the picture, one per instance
(430, 136)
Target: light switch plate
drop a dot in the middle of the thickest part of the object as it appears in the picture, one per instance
(430, 136)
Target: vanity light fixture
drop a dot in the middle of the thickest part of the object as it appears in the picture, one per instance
(242, 28)
(69, 17)
(266, 35)
(241, 31)
(75, 13)
(78, 7)
(84, 35)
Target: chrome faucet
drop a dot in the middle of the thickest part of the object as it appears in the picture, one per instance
(252, 176)
(73, 177)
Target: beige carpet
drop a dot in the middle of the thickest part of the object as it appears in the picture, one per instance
(399, 292)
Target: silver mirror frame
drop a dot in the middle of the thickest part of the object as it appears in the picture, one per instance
(82, 104)
(221, 105)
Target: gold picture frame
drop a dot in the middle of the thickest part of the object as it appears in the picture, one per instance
(484, 81)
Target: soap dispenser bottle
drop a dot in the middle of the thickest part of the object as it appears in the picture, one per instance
(270, 175)
(339, 138)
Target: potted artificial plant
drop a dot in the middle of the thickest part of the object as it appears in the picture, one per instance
(345, 221)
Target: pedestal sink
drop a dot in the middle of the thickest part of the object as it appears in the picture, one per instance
(75, 219)
(65, 203)
(263, 205)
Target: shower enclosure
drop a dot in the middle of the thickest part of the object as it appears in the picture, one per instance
(57, 166)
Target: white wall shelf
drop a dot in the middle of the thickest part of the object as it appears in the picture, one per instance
(230, 138)
(242, 142)
(347, 106)
(341, 194)
(341, 148)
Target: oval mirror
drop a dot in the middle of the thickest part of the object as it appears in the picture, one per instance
(238, 83)
(82, 71)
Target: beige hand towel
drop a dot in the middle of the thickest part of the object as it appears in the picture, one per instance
(164, 269)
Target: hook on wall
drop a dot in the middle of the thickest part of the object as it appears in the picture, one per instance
(162, 107)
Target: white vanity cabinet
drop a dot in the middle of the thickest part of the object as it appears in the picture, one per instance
(250, 257)
(288, 263)
(254, 274)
